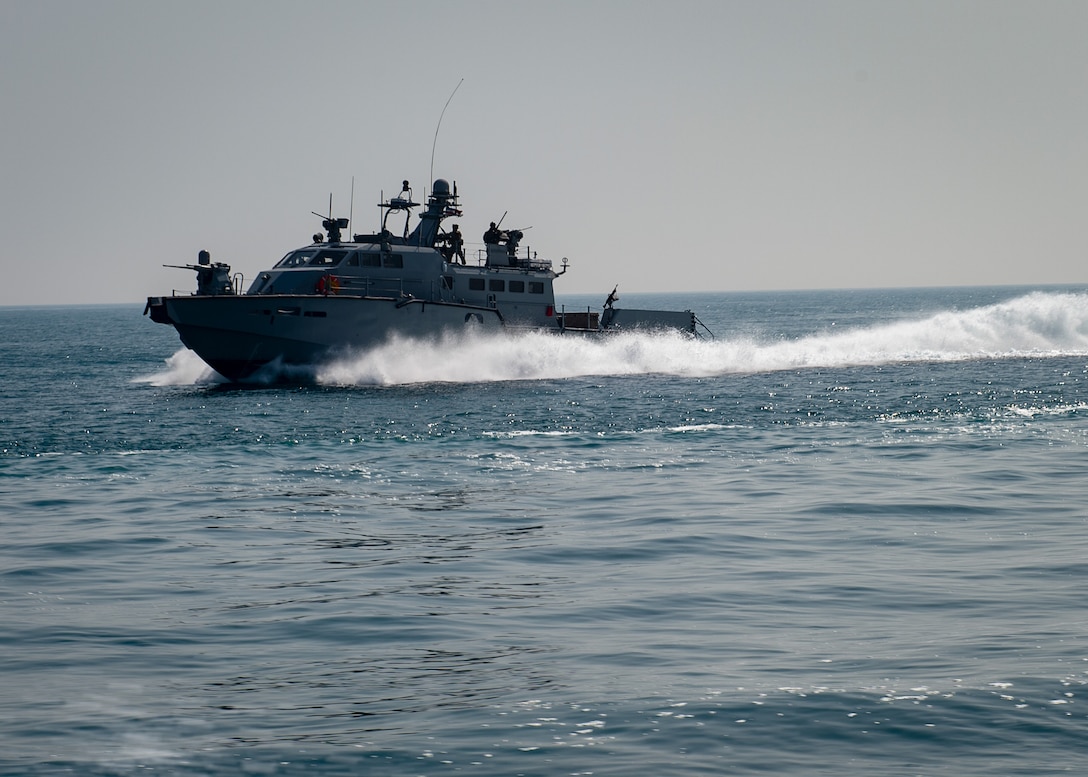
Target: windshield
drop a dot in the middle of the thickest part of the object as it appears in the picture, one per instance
(327, 258)
(297, 258)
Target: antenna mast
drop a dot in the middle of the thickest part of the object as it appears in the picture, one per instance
(444, 107)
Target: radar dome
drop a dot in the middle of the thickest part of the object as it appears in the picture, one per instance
(441, 188)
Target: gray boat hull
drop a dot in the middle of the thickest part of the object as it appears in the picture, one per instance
(239, 334)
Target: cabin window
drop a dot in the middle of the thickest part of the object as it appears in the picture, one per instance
(496, 284)
(393, 260)
(447, 281)
(476, 284)
(296, 258)
(372, 260)
(326, 258)
(536, 287)
(353, 259)
(517, 287)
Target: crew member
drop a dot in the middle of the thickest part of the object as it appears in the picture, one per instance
(457, 243)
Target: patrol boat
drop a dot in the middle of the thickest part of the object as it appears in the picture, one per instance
(336, 297)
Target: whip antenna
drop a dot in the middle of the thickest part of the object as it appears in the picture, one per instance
(444, 107)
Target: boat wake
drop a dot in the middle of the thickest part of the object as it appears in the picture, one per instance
(1035, 325)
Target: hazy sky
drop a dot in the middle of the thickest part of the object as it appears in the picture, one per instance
(664, 146)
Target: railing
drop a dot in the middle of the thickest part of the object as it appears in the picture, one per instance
(590, 319)
(538, 264)
(497, 255)
(365, 287)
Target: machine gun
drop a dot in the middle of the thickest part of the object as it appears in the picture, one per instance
(212, 279)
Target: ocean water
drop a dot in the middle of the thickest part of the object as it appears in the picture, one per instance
(847, 536)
